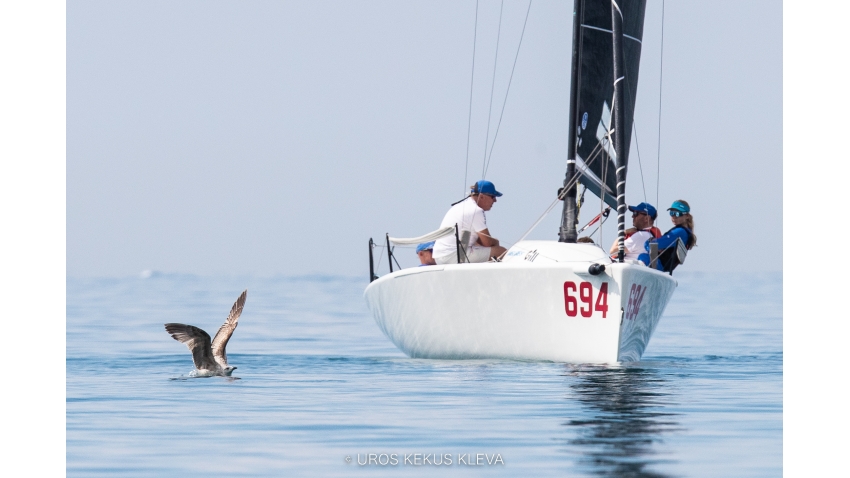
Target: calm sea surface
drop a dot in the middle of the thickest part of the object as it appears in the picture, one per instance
(318, 382)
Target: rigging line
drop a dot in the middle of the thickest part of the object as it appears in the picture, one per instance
(604, 218)
(499, 124)
(604, 172)
(637, 145)
(594, 154)
(660, 82)
(492, 87)
(377, 269)
(394, 258)
(609, 143)
(551, 206)
(471, 82)
(640, 165)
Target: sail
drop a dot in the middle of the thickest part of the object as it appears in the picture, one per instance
(595, 155)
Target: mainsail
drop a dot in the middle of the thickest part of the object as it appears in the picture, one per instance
(595, 90)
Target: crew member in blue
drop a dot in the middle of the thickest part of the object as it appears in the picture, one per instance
(425, 251)
(683, 228)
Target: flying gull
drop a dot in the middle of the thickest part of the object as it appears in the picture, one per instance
(209, 356)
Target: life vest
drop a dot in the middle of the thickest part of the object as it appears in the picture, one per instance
(656, 233)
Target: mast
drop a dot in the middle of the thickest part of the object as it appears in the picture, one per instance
(619, 124)
(568, 217)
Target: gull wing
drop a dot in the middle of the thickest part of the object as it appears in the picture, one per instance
(198, 342)
(226, 330)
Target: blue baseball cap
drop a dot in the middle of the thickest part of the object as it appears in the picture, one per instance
(485, 187)
(679, 206)
(425, 246)
(645, 207)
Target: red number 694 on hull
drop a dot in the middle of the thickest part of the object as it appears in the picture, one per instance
(583, 292)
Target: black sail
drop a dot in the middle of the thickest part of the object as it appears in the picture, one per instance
(596, 91)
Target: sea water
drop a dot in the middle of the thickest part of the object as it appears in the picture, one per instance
(319, 391)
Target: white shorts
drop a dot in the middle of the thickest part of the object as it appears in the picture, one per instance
(476, 254)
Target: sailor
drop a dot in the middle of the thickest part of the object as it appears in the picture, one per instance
(425, 252)
(683, 228)
(468, 214)
(643, 215)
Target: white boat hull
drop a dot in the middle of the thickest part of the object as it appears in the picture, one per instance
(539, 304)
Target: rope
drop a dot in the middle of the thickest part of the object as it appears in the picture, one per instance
(378, 261)
(604, 218)
(471, 82)
(637, 145)
(606, 143)
(594, 154)
(660, 82)
(499, 124)
(493, 86)
(377, 269)
(607, 146)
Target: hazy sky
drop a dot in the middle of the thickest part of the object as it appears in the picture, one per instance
(272, 137)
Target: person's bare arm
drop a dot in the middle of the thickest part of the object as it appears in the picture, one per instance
(615, 246)
(485, 239)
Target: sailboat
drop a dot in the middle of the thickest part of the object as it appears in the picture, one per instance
(558, 301)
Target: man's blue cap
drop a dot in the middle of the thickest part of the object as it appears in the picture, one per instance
(425, 246)
(645, 207)
(485, 187)
(679, 206)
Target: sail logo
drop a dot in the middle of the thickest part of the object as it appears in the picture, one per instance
(635, 299)
(583, 292)
(531, 255)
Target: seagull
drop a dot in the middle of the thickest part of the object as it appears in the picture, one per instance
(209, 357)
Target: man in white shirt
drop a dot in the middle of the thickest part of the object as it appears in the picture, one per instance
(643, 216)
(469, 217)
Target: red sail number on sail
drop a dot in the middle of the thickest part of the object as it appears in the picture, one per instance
(578, 299)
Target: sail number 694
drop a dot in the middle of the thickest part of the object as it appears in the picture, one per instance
(583, 292)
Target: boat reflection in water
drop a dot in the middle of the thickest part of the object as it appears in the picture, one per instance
(624, 419)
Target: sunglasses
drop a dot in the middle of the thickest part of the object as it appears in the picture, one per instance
(677, 213)
(638, 213)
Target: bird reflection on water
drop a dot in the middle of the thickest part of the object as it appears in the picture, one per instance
(626, 406)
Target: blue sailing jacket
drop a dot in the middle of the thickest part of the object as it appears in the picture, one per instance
(668, 240)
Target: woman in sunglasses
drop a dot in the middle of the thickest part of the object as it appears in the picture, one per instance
(683, 228)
